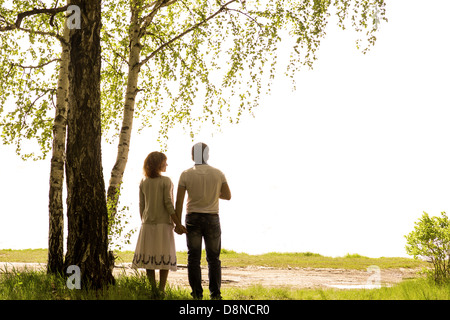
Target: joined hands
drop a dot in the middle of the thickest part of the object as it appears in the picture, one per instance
(180, 229)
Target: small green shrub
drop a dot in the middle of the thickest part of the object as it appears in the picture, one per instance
(431, 240)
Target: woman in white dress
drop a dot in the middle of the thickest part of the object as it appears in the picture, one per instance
(155, 249)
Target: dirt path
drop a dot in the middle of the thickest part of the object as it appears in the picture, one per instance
(298, 277)
(270, 277)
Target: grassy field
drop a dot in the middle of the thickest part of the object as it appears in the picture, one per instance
(38, 285)
(417, 289)
(233, 259)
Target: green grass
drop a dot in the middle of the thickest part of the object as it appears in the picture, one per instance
(26, 255)
(32, 285)
(233, 259)
(37, 285)
(29, 285)
(417, 289)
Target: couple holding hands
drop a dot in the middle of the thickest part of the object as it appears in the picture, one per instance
(155, 249)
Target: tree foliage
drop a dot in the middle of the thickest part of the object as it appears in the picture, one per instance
(430, 239)
(29, 65)
(211, 61)
(203, 60)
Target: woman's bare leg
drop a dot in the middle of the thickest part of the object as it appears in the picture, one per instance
(163, 274)
(151, 278)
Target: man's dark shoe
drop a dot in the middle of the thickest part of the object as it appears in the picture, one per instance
(196, 296)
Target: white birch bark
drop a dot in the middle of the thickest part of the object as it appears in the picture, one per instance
(56, 210)
(128, 112)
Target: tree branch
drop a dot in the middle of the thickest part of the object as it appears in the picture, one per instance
(44, 92)
(169, 46)
(35, 67)
(45, 33)
(249, 17)
(221, 9)
(158, 5)
(28, 13)
(17, 25)
(115, 52)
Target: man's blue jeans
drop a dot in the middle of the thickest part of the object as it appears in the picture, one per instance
(206, 226)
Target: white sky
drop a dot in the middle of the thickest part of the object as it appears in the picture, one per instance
(346, 164)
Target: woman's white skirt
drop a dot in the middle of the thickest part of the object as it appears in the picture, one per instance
(155, 248)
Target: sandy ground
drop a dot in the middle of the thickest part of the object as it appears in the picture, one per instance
(271, 277)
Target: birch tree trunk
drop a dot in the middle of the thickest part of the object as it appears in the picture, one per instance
(56, 211)
(87, 241)
(128, 113)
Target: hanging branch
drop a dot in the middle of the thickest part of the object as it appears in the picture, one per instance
(35, 67)
(22, 15)
(197, 25)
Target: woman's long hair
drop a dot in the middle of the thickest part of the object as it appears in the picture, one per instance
(152, 164)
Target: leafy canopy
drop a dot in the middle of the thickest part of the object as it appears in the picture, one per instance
(201, 60)
(29, 57)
